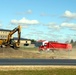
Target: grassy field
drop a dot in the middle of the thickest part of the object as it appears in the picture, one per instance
(40, 72)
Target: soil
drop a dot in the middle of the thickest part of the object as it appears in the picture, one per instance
(22, 53)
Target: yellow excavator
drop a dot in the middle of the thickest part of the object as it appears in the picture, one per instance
(9, 42)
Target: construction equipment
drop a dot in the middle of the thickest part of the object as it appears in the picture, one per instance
(9, 41)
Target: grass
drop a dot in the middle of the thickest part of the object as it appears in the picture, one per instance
(40, 72)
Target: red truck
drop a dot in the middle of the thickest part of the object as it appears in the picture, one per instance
(55, 46)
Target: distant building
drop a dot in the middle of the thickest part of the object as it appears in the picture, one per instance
(23, 41)
(4, 33)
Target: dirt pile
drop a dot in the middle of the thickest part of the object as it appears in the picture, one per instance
(5, 50)
(10, 53)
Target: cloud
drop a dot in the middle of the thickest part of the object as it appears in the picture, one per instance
(43, 14)
(56, 27)
(53, 25)
(69, 25)
(25, 12)
(0, 25)
(24, 21)
(36, 32)
(69, 15)
(29, 11)
(24, 26)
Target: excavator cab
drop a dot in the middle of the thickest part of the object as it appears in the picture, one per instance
(12, 43)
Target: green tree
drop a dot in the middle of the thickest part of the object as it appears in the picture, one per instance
(33, 41)
(71, 41)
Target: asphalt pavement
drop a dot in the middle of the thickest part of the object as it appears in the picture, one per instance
(37, 61)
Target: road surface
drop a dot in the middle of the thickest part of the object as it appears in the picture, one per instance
(37, 62)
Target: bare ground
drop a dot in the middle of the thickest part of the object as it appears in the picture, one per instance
(22, 53)
(35, 67)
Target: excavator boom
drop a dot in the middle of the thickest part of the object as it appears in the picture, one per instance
(8, 42)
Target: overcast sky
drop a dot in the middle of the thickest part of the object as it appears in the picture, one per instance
(40, 19)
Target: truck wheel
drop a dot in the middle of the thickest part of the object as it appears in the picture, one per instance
(53, 50)
(40, 50)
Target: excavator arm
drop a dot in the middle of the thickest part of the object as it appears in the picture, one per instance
(16, 44)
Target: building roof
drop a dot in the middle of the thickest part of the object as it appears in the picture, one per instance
(40, 40)
(5, 30)
(15, 38)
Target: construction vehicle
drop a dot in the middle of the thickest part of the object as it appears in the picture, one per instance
(55, 46)
(9, 42)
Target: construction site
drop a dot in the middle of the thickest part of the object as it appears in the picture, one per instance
(10, 48)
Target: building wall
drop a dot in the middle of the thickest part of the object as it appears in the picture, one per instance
(4, 34)
(28, 41)
(22, 42)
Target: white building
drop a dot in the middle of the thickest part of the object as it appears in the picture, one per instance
(4, 33)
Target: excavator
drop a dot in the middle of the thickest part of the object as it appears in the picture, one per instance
(9, 42)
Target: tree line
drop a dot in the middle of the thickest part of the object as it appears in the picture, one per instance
(73, 42)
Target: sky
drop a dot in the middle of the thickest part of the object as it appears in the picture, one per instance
(52, 20)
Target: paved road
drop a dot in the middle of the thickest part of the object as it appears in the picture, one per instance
(37, 62)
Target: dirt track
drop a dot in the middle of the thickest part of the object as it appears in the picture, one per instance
(21, 53)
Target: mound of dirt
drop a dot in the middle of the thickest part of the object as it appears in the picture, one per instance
(5, 50)
(10, 53)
